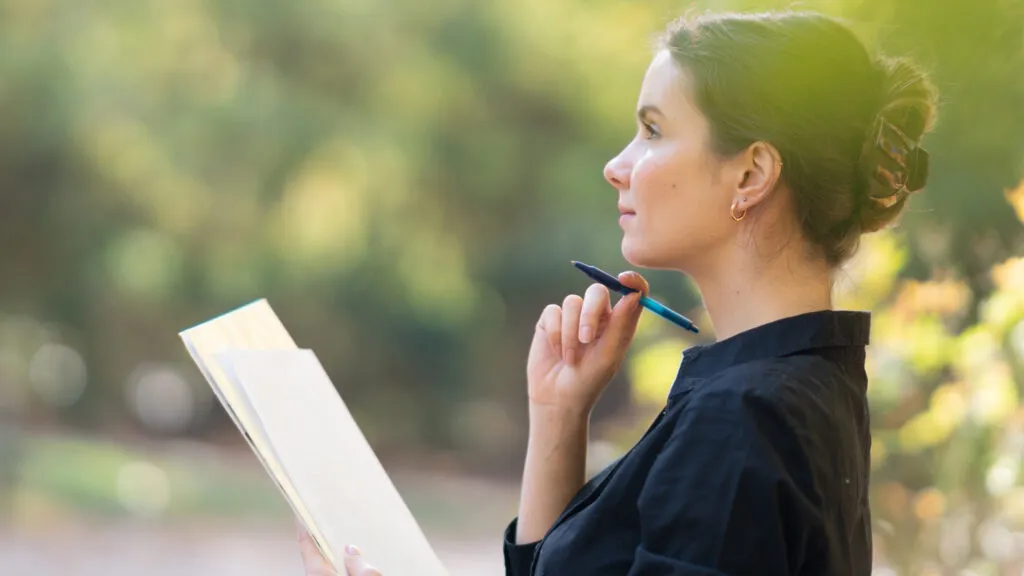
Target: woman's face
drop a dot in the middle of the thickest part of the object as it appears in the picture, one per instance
(674, 195)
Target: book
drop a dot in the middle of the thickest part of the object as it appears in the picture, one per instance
(286, 407)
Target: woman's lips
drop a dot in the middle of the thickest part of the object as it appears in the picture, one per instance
(625, 213)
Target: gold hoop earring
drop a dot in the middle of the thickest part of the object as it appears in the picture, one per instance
(732, 212)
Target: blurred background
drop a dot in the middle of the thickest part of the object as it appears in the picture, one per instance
(405, 181)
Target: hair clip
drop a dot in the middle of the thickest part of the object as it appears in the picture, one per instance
(888, 133)
(911, 164)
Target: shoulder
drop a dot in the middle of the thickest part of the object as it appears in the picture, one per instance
(729, 408)
(802, 413)
(791, 404)
(790, 386)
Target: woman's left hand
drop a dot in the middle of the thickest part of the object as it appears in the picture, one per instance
(316, 565)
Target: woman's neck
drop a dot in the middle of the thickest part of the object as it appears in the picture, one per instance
(742, 290)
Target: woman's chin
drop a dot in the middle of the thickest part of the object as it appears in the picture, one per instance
(641, 255)
(634, 253)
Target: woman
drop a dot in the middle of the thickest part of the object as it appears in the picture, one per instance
(766, 145)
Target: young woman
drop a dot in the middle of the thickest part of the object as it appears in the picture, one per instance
(766, 145)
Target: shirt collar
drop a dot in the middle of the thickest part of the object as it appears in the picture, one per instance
(808, 331)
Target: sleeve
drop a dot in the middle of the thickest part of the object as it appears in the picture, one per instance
(518, 557)
(722, 497)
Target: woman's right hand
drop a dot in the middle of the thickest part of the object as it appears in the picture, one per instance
(579, 346)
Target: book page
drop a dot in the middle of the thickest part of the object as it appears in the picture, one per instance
(329, 461)
(253, 326)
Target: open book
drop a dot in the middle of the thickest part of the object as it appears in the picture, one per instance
(288, 410)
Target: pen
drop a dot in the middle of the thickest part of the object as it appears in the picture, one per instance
(613, 283)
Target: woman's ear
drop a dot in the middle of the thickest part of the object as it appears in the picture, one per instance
(759, 170)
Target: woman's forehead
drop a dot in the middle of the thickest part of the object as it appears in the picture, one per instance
(666, 88)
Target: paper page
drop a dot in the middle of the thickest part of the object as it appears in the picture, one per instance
(254, 326)
(331, 465)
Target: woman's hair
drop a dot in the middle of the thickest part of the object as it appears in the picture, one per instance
(846, 124)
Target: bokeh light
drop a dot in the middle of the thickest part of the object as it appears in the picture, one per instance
(162, 398)
(58, 374)
(143, 489)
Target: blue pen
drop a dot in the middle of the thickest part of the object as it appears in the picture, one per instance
(613, 283)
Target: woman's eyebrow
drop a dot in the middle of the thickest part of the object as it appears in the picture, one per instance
(648, 110)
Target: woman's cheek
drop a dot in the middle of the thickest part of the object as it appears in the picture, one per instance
(645, 172)
(652, 175)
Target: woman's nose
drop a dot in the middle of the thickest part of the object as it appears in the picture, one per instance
(618, 170)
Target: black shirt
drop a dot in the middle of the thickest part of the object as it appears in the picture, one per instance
(758, 464)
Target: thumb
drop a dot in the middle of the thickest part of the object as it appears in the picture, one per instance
(356, 565)
(635, 281)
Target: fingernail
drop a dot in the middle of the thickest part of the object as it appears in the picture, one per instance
(586, 333)
(570, 356)
(352, 550)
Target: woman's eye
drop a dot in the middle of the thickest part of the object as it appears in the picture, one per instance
(650, 131)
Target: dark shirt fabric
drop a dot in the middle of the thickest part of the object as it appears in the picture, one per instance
(758, 464)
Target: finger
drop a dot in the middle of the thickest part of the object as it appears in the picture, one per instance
(621, 326)
(312, 560)
(596, 306)
(549, 327)
(571, 309)
(634, 280)
(356, 565)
